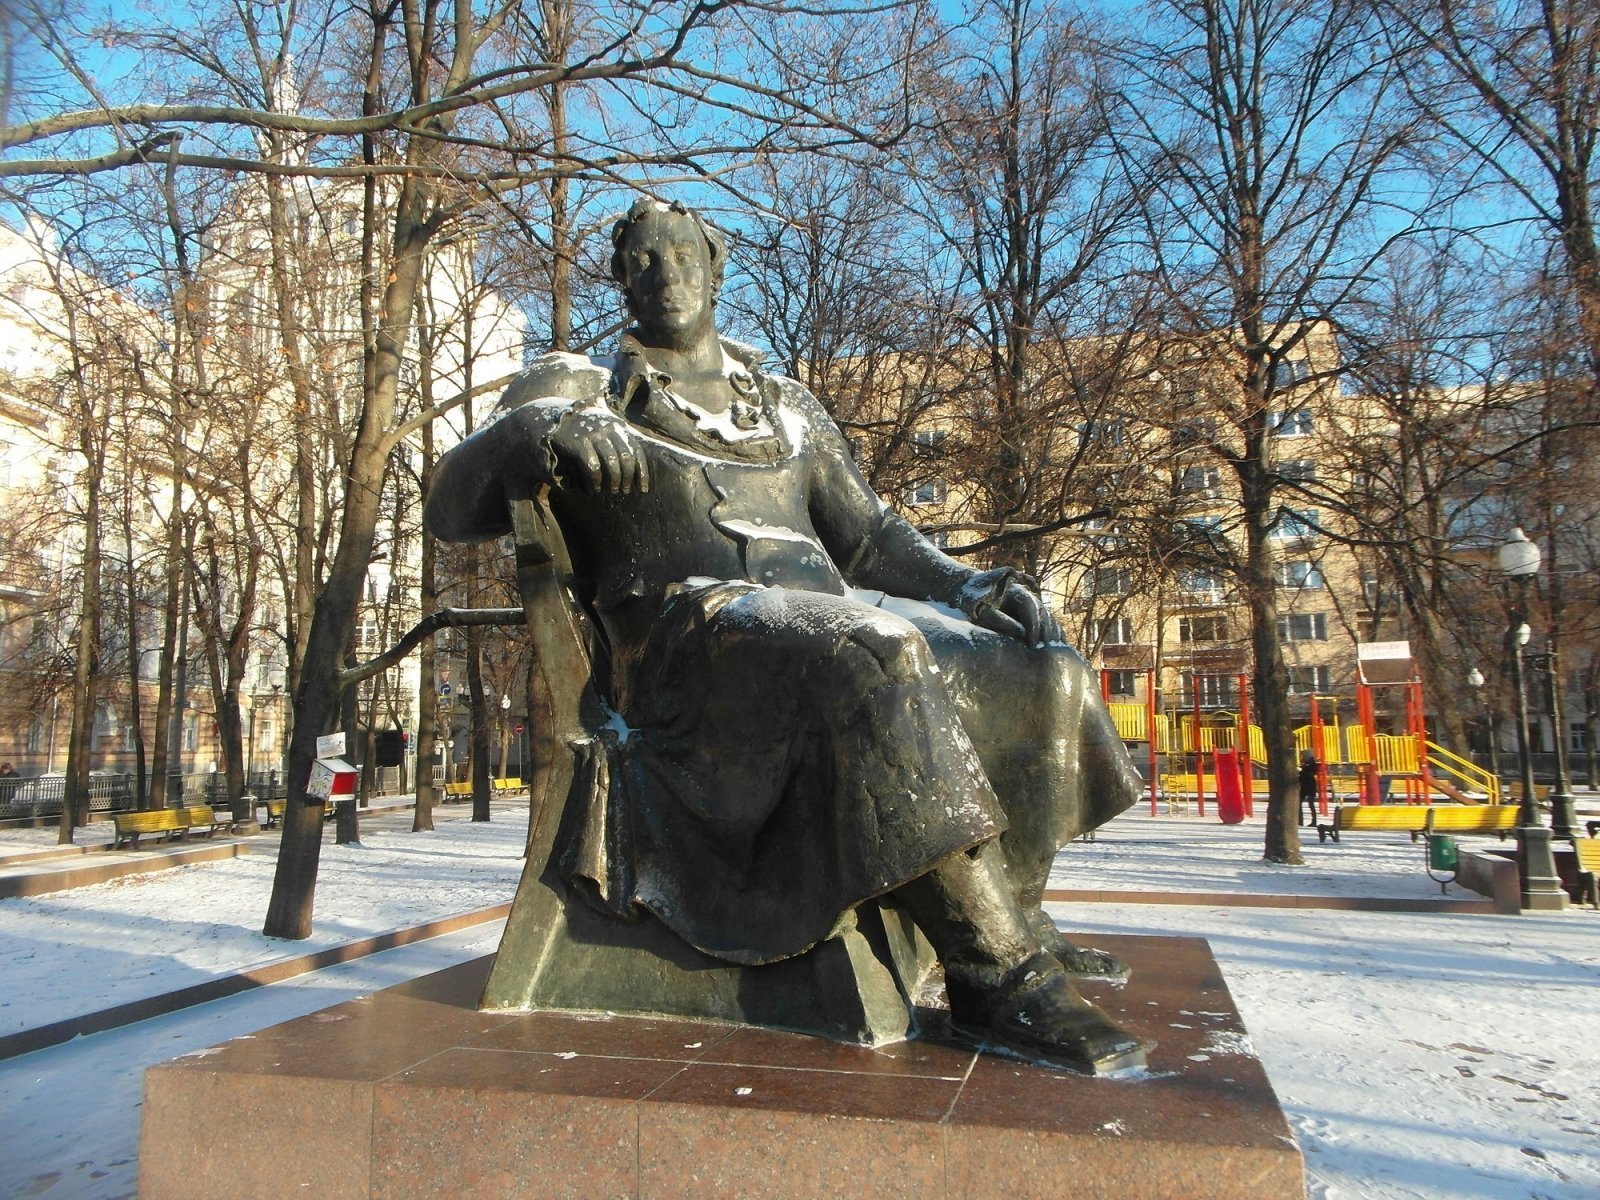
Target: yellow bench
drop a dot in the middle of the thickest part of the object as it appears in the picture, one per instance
(1411, 818)
(1471, 818)
(1417, 819)
(1588, 851)
(203, 816)
(274, 811)
(511, 784)
(164, 824)
(458, 789)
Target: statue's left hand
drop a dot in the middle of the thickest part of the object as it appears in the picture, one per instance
(1009, 602)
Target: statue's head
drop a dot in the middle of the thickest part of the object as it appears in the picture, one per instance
(670, 264)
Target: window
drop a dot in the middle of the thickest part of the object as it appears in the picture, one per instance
(1202, 629)
(1215, 691)
(1299, 573)
(1294, 422)
(1370, 592)
(1121, 683)
(366, 632)
(1116, 631)
(1296, 525)
(1200, 587)
(1303, 627)
(1110, 581)
(191, 733)
(36, 737)
(1101, 433)
(1200, 480)
(1578, 736)
(104, 727)
(929, 491)
(941, 540)
(929, 443)
(1298, 470)
(1201, 529)
(1287, 372)
(1307, 680)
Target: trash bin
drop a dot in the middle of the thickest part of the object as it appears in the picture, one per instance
(1443, 852)
(1230, 787)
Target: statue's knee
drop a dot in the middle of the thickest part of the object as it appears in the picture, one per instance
(898, 646)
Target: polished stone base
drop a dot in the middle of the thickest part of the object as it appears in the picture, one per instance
(413, 1092)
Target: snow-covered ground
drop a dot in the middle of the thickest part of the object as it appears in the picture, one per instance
(144, 935)
(1447, 1055)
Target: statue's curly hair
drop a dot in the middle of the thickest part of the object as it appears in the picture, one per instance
(643, 209)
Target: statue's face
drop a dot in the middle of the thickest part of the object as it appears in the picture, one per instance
(668, 268)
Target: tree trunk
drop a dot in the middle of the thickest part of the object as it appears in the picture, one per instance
(316, 701)
(427, 687)
(85, 672)
(1269, 681)
(172, 602)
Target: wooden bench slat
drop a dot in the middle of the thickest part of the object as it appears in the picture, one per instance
(1417, 819)
(1588, 851)
(131, 826)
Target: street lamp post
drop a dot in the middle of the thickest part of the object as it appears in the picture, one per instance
(244, 806)
(1475, 681)
(505, 731)
(1563, 813)
(1541, 887)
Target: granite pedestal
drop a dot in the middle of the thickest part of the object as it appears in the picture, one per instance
(412, 1092)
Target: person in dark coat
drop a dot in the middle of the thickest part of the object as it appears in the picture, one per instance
(1310, 785)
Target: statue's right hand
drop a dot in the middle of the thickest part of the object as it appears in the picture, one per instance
(596, 451)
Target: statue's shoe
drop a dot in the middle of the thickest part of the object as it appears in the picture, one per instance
(1035, 1015)
(1083, 962)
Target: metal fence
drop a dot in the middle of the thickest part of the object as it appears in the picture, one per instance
(21, 799)
(42, 797)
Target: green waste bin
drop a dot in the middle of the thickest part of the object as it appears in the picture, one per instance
(1442, 852)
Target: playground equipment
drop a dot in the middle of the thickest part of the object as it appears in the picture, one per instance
(1421, 766)
(1378, 767)
(1193, 736)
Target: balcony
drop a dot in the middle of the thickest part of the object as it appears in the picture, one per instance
(1201, 598)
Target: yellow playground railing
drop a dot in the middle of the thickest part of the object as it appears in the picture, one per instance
(1306, 738)
(1469, 774)
(1131, 719)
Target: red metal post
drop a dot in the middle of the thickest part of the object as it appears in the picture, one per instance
(1324, 783)
(1368, 770)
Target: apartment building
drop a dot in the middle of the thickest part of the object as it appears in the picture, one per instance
(1147, 588)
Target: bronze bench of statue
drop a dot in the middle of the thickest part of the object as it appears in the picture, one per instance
(792, 754)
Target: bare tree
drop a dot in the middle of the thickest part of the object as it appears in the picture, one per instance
(1259, 146)
(1033, 227)
(1516, 88)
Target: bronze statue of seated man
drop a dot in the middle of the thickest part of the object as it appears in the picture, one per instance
(812, 706)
